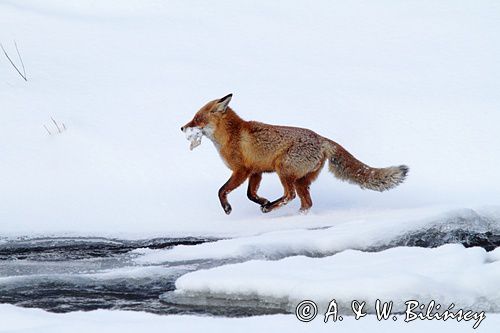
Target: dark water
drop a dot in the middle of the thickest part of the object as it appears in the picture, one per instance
(468, 228)
(63, 249)
(72, 274)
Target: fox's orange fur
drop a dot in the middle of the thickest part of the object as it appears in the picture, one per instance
(297, 155)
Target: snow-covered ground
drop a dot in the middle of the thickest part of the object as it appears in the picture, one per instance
(29, 320)
(413, 82)
(350, 231)
(450, 274)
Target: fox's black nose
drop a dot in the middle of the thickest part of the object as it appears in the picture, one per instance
(182, 129)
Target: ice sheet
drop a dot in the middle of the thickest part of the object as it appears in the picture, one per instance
(466, 277)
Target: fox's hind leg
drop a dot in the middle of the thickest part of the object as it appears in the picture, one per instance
(289, 195)
(302, 186)
(253, 186)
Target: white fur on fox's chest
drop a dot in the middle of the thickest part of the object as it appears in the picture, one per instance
(209, 131)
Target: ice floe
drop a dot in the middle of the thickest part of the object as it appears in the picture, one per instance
(466, 277)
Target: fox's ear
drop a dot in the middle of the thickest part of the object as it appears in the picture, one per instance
(222, 104)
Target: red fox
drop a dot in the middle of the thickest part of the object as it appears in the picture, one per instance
(297, 155)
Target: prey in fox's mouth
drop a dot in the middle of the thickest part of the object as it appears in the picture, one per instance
(194, 135)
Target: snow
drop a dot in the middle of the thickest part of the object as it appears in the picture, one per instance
(413, 83)
(362, 231)
(32, 320)
(466, 277)
(410, 82)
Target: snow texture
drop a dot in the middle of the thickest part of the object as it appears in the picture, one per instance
(448, 274)
(393, 82)
(37, 321)
(367, 232)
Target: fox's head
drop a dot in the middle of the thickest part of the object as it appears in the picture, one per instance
(209, 116)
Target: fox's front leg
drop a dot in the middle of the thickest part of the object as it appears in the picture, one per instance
(237, 178)
(253, 186)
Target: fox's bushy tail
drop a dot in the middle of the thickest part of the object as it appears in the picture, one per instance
(346, 167)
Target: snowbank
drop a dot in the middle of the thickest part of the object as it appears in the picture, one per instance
(449, 274)
(411, 83)
(38, 321)
(348, 231)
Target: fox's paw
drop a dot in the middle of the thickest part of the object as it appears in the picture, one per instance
(304, 211)
(227, 208)
(266, 208)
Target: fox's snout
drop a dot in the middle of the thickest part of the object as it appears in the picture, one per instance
(185, 127)
(188, 125)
